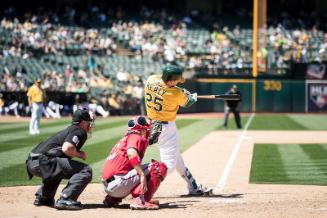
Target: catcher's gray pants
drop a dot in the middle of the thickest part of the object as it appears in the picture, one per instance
(79, 175)
(121, 186)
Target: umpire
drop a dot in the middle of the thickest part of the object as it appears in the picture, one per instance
(51, 160)
(233, 106)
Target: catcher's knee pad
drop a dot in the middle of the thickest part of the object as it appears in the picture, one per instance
(158, 169)
(158, 172)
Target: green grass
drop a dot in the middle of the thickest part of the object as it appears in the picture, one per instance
(278, 122)
(15, 144)
(267, 165)
(275, 122)
(304, 164)
(231, 122)
(289, 122)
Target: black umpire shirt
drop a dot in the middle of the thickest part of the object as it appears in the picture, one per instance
(53, 145)
(233, 103)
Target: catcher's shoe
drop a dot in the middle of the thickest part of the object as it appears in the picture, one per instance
(139, 204)
(201, 191)
(68, 204)
(111, 201)
(43, 201)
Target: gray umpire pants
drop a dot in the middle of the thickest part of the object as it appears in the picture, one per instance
(120, 186)
(79, 175)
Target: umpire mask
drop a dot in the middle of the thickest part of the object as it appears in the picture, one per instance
(91, 124)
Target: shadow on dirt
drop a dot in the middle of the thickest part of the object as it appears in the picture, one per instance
(173, 204)
(93, 206)
(166, 205)
(214, 196)
(176, 205)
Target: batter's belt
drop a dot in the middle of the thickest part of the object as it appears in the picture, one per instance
(159, 121)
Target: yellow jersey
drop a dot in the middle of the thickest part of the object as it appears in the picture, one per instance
(37, 94)
(162, 102)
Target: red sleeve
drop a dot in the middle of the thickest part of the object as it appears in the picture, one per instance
(135, 141)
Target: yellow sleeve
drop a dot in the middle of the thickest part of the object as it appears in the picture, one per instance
(182, 98)
(30, 92)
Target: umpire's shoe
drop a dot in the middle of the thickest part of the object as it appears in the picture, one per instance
(68, 204)
(43, 201)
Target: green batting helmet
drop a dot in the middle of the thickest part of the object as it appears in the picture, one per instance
(172, 72)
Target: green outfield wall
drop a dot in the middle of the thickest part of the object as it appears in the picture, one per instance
(260, 95)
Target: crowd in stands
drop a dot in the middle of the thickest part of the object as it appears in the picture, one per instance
(70, 52)
(24, 38)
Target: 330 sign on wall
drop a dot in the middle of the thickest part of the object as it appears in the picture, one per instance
(272, 85)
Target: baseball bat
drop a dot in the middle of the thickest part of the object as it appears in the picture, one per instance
(222, 97)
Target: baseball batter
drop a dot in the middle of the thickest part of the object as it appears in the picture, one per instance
(124, 174)
(163, 99)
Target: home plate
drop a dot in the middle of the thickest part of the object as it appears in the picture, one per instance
(226, 201)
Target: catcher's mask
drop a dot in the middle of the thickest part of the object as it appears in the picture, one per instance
(139, 123)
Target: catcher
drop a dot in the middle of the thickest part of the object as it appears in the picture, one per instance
(123, 173)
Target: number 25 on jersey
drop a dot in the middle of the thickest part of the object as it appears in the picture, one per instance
(153, 102)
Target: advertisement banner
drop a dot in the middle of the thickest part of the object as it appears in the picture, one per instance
(316, 96)
(316, 71)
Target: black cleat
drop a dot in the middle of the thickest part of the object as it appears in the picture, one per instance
(68, 204)
(111, 201)
(42, 201)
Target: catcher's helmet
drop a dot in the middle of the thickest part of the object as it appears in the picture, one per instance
(172, 72)
(139, 123)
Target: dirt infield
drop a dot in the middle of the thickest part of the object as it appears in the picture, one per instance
(207, 160)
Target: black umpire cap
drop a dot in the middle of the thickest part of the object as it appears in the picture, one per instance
(81, 114)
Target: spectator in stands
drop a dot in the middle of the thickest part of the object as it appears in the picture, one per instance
(95, 107)
(138, 93)
(11, 105)
(2, 104)
(53, 110)
(114, 104)
(78, 103)
(169, 40)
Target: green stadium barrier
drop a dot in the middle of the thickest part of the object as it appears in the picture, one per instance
(261, 95)
(280, 95)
